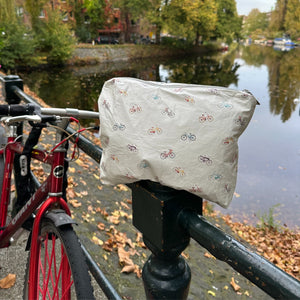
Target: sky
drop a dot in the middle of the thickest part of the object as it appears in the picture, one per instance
(245, 6)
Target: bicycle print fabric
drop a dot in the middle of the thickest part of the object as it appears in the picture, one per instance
(181, 135)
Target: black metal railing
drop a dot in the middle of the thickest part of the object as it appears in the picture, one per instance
(168, 218)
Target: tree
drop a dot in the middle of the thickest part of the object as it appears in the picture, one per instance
(155, 17)
(229, 23)
(255, 22)
(278, 16)
(55, 38)
(34, 7)
(192, 19)
(292, 20)
(17, 45)
(94, 9)
(7, 11)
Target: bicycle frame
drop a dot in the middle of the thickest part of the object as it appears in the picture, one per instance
(51, 189)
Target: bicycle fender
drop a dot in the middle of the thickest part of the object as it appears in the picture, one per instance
(59, 217)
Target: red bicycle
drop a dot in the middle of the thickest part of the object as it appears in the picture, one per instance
(56, 265)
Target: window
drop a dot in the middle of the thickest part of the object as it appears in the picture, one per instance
(42, 14)
(19, 11)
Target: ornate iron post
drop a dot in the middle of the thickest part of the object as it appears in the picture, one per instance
(166, 274)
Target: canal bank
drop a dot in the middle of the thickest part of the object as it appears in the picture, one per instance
(94, 54)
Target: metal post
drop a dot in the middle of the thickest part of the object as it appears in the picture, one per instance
(10, 82)
(166, 275)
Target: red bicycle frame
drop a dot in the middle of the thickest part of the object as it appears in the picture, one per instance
(51, 189)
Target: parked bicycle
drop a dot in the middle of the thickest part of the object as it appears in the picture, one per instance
(56, 265)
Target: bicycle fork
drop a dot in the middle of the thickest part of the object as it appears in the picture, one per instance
(56, 209)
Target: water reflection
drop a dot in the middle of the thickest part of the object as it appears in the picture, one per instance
(80, 87)
(284, 76)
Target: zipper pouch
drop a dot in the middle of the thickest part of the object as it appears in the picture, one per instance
(183, 136)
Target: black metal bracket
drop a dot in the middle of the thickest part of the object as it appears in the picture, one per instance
(11, 82)
(156, 208)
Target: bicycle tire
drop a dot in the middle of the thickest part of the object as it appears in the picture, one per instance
(49, 281)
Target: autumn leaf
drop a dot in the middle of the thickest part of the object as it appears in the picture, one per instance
(235, 286)
(185, 255)
(71, 170)
(113, 219)
(101, 226)
(138, 271)
(8, 281)
(97, 241)
(208, 255)
(124, 257)
(84, 193)
(74, 203)
(128, 269)
(124, 205)
(121, 187)
(71, 193)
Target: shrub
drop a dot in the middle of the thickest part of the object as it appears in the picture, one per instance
(55, 39)
(17, 45)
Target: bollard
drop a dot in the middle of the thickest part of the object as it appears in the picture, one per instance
(10, 83)
(166, 275)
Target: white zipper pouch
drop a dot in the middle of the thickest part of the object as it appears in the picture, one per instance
(183, 136)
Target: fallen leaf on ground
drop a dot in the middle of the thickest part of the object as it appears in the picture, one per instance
(101, 226)
(208, 255)
(211, 293)
(97, 241)
(128, 269)
(8, 281)
(235, 286)
(75, 203)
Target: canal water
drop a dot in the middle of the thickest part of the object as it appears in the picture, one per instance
(269, 160)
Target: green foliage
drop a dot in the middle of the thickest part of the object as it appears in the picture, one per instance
(175, 42)
(191, 19)
(256, 22)
(267, 220)
(34, 7)
(17, 45)
(82, 33)
(95, 12)
(55, 39)
(229, 24)
(292, 19)
(7, 11)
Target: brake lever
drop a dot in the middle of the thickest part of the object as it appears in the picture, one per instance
(11, 120)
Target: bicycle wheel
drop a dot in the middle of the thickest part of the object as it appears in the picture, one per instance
(62, 271)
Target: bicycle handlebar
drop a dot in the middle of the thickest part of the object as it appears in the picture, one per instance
(70, 112)
(27, 110)
(17, 110)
